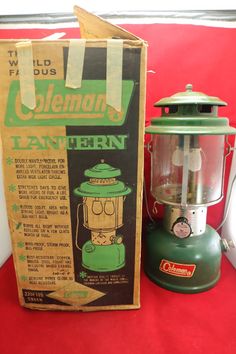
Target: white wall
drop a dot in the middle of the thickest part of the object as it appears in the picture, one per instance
(45, 6)
(229, 228)
(5, 244)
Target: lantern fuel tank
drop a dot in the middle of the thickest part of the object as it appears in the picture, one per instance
(103, 197)
(188, 158)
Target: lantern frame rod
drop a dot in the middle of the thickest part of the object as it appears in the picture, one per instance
(184, 194)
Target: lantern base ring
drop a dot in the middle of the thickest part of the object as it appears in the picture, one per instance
(188, 265)
(103, 258)
(179, 289)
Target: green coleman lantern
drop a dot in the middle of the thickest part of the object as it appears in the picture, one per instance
(187, 154)
(103, 198)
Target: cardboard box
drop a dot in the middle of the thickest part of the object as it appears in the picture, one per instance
(72, 127)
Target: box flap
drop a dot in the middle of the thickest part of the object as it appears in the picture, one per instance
(92, 26)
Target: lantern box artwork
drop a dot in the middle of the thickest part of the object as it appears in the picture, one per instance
(72, 127)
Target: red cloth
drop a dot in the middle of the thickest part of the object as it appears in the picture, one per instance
(167, 323)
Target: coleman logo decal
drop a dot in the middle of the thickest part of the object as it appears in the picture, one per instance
(177, 269)
(57, 105)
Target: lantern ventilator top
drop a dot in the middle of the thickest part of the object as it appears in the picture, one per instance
(102, 182)
(185, 135)
(192, 113)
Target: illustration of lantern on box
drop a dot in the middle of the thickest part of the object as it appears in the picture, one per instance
(103, 201)
(188, 158)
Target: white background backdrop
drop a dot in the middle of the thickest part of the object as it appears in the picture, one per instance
(45, 6)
